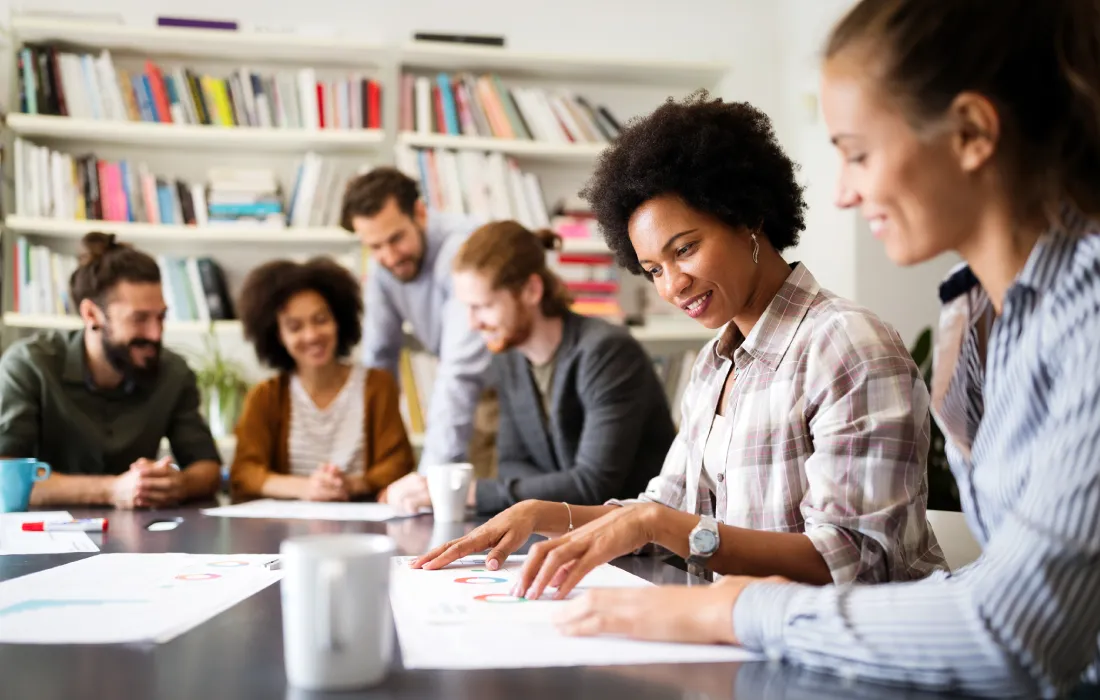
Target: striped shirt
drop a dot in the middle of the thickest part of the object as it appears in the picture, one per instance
(826, 433)
(1018, 398)
(329, 435)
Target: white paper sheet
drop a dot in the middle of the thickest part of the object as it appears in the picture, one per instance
(14, 541)
(462, 617)
(127, 598)
(306, 510)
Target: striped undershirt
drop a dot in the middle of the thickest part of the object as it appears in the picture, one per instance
(332, 434)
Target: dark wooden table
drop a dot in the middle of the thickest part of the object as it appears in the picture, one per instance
(239, 653)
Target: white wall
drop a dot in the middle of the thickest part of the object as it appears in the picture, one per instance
(837, 244)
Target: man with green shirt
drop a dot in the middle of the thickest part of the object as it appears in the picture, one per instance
(95, 403)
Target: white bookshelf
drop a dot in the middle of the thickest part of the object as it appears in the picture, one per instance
(520, 148)
(50, 321)
(561, 67)
(385, 62)
(670, 331)
(251, 47)
(150, 233)
(161, 136)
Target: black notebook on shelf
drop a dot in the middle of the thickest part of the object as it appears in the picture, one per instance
(480, 40)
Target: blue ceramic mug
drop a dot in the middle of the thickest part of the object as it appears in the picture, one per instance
(17, 477)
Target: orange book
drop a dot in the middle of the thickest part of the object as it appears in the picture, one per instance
(494, 110)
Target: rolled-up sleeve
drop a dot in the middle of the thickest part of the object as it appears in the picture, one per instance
(869, 421)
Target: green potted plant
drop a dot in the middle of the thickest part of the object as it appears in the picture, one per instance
(222, 385)
(943, 492)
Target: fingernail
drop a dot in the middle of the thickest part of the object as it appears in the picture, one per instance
(493, 565)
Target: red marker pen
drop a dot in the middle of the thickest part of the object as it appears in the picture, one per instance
(85, 525)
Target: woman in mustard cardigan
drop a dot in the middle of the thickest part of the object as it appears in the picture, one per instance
(322, 429)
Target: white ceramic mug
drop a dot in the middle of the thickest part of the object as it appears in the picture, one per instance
(337, 629)
(448, 486)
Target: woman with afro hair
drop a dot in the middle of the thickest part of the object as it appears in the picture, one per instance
(802, 447)
(322, 429)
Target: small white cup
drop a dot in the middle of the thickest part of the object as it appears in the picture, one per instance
(337, 629)
(448, 485)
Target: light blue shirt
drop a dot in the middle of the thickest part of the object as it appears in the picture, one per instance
(440, 322)
(1018, 398)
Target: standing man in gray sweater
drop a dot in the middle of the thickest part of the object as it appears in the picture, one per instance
(409, 281)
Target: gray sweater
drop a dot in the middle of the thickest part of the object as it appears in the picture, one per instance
(609, 427)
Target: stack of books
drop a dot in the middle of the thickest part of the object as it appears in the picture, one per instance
(248, 196)
(487, 185)
(53, 81)
(465, 105)
(593, 280)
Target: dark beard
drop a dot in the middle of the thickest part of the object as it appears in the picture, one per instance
(418, 263)
(118, 355)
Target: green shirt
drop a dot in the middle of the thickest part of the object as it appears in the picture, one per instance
(51, 410)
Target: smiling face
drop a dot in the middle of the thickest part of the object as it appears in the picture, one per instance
(919, 192)
(308, 330)
(697, 263)
(394, 239)
(132, 327)
(504, 318)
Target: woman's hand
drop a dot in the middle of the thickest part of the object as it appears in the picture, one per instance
(696, 614)
(326, 483)
(504, 534)
(561, 563)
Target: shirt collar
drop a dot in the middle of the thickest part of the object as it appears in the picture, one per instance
(773, 334)
(1052, 252)
(76, 367)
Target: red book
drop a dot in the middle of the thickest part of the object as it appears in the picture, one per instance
(440, 116)
(160, 93)
(374, 105)
(320, 105)
(105, 190)
(583, 259)
(593, 287)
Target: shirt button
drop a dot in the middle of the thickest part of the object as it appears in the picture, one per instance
(721, 477)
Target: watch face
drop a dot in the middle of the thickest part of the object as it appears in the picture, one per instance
(705, 542)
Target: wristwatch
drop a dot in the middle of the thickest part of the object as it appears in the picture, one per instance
(703, 542)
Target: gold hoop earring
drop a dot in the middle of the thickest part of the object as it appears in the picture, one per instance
(755, 250)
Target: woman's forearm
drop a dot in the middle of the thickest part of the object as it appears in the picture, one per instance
(552, 517)
(286, 486)
(741, 551)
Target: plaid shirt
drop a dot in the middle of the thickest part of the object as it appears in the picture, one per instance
(829, 435)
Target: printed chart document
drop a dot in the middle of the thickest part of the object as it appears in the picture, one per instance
(306, 510)
(463, 617)
(14, 541)
(127, 598)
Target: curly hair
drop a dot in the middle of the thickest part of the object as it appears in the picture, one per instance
(719, 158)
(269, 287)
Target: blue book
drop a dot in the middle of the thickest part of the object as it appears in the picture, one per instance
(425, 181)
(254, 209)
(124, 175)
(450, 112)
(147, 88)
(165, 203)
(144, 99)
